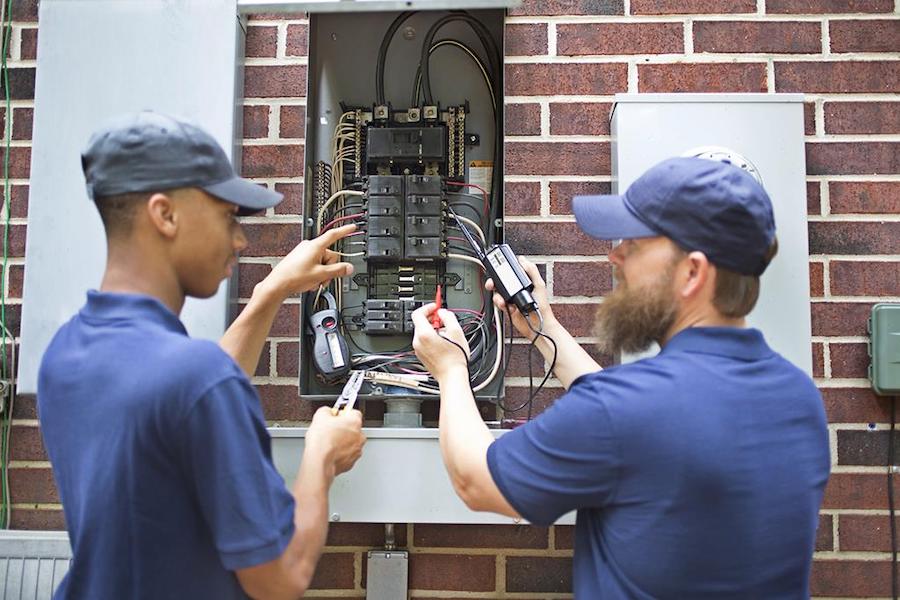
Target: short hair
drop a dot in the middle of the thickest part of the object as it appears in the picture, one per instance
(117, 212)
(736, 294)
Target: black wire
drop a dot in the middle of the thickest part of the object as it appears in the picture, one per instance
(382, 54)
(890, 490)
(461, 349)
(539, 332)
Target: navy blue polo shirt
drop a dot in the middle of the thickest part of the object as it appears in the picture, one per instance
(697, 473)
(160, 454)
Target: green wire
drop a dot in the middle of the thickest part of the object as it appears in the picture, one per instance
(7, 134)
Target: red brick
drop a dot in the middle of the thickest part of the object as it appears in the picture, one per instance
(32, 486)
(813, 198)
(518, 362)
(557, 158)
(840, 318)
(281, 403)
(818, 359)
(16, 281)
(758, 37)
(553, 238)
(293, 121)
(21, 84)
(23, 122)
(849, 360)
(691, 7)
(702, 77)
(26, 443)
(579, 118)
(263, 365)
(816, 279)
(844, 158)
(569, 7)
(24, 10)
(858, 491)
(855, 405)
(334, 571)
(256, 122)
(836, 237)
(522, 198)
(536, 79)
(249, 274)
(17, 234)
(287, 359)
(25, 408)
(828, 6)
(865, 36)
(862, 117)
(287, 321)
(578, 319)
(864, 448)
(367, 535)
(865, 533)
(37, 520)
(564, 537)
(297, 40)
(481, 536)
(285, 81)
(582, 278)
(538, 574)
(293, 198)
(526, 39)
(825, 534)
(272, 161)
(279, 16)
(865, 278)
(864, 197)
(580, 39)
(262, 41)
(18, 201)
(876, 77)
(562, 192)
(850, 578)
(28, 49)
(523, 119)
(809, 118)
(271, 239)
(452, 572)
(19, 161)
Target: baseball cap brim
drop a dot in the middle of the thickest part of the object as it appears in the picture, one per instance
(609, 218)
(249, 196)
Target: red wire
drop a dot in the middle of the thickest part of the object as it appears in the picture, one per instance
(328, 225)
(477, 187)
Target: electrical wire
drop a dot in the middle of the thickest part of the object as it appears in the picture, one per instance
(329, 202)
(5, 373)
(382, 54)
(417, 88)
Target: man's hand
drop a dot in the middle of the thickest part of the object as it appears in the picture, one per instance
(309, 264)
(540, 296)
(438, 355)
(338, 437)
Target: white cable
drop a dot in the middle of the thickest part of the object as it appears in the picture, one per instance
(470, 259)
(328, 203)
(474, 226)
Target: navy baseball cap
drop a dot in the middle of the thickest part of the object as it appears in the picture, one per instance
(698, 203)
(151, 152)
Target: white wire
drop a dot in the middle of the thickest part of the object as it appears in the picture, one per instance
(498, 359)
(470, 259)
(474, 226)
(329, 202)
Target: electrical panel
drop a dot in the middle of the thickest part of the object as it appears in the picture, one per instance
(404, 140)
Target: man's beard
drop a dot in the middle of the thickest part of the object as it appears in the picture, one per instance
(630, 319)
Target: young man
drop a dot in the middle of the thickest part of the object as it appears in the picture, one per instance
(157, 441)
(697, 473)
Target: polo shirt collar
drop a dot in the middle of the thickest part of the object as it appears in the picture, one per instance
(110, 306)
(735, 342)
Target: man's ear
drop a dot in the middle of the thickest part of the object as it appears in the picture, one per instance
(699, 272)
(162, 213)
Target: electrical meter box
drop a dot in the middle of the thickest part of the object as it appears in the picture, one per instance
(405, 141)
(764, 134)
(884, 349)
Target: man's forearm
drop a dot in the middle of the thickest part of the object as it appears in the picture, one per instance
(572, 361)
(244, 339)
(463, 435)
(311, 514)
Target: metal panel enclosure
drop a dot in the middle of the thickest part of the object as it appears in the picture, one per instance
(768, 130)
(179, 57)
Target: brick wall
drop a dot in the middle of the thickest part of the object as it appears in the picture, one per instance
(565, 60)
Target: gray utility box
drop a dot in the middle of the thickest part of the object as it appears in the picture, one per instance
(767, 129)
(399, 479)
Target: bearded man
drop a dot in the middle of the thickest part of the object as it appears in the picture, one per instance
(697, 473)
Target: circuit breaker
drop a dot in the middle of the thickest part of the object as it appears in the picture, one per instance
(404, 140)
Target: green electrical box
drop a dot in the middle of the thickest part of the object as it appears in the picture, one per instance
(884, 348)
